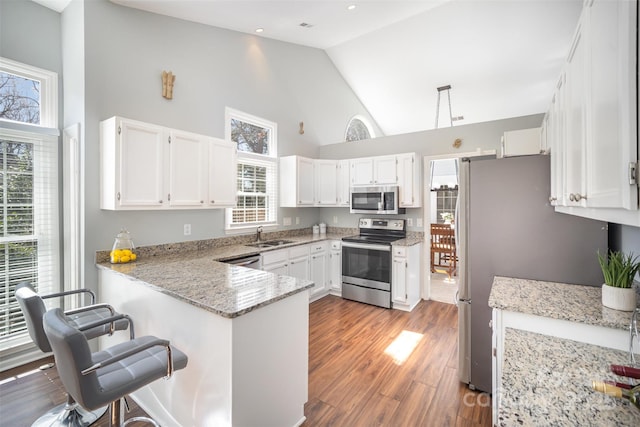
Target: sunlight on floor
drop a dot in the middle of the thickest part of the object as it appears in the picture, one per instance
(402, 347)
(443, 288)
(10, 379)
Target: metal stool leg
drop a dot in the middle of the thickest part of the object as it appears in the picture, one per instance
(117, 415)
(69, 414)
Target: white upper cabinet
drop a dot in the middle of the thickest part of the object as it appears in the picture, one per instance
(593, 119)
(344, 183)
(326, 182)
(222, 171)
(132, 164)
(612, 114)
(187, 169)
(296, 182)
(575, 114)
(374, 171)
(522, 142)
(145, 166)
(410, 193)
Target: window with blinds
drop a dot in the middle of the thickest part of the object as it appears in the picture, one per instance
(29, 227)
(256, 142)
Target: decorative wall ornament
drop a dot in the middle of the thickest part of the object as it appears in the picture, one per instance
(167, 84)
(457, 143)
(301, 131)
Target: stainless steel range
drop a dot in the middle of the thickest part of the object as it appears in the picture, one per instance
(366, 261)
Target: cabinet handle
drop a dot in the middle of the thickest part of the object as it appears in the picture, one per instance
(159, 201)
(552, 199)
(576, 197)
(118, 196)
(201, 201)
(213, 201)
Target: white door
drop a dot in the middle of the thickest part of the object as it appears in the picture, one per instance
(335, 271)
(362, 171)
(384, 170)
(325, 181)
(187, 169)
(399, 272)
(406, 171)
(318, 272)
(299, 267)
(141, 162)
(305, 182)
(223, 165)
(344, 183)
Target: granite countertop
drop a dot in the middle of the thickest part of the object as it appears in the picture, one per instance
(546, 381)
(575, 303)
(190, 272)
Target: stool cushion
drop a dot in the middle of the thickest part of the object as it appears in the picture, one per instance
(109, 383)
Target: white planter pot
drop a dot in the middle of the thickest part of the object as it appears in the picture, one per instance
(623, 299)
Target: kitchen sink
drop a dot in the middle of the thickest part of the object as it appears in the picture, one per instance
(269, 244)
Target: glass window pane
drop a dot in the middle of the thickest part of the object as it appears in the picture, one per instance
(249, 137)
(19, 99)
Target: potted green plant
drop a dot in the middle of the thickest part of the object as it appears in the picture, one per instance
(619, 272)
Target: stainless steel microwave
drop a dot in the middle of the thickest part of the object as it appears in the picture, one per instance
(381, 200)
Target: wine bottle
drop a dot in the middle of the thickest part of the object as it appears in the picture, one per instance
(626, 371)
(632, 395)
(621, 385)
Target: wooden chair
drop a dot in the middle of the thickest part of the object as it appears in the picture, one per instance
(443, 243)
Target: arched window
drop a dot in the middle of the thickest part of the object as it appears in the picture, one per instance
(358, 129)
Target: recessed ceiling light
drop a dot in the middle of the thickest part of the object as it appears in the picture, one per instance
(259, 30)
(305, 25)
(351, 7)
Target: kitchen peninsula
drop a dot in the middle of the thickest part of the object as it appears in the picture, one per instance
(245, 332)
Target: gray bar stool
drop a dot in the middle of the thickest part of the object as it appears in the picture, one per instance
(107, 376)
(69, 414)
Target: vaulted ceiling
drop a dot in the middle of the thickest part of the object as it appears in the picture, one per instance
(502, 58)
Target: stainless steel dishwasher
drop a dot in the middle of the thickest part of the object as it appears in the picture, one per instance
(249, 261)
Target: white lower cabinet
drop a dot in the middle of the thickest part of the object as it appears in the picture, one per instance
(299, 262)
(318, 271)
(405, 277)
(276, 262)
(335, 268)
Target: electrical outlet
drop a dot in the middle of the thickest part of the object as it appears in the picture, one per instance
(409, 222)
(297, 220)
(187, 229)
(335, 219)
(286, 220)
(418, 222)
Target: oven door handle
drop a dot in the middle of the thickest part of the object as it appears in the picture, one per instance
(370, 246)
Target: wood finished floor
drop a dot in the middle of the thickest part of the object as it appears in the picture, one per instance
(352, 382)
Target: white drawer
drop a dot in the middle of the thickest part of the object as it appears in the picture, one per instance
(399, 251)
(272, 257)
(336, 244)
(298, 251)
(318, 247)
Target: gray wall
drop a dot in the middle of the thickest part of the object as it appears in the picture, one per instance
(625, 238)
(126, 51)
(482, 136)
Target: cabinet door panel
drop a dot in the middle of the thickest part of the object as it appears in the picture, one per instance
(399, 284)
(222, 171)
(344, 183)
(575, 108)
(141, 164)
(385, 170)
(326, 185)
(318, 272)
(305, 182)
(335, 270)
(187, 169)
(362, 171)
(611, 141)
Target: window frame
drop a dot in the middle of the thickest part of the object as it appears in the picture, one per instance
(365, 122)
(243, 157)
(18, 348)
(48, 90)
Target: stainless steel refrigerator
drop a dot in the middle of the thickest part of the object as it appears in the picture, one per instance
(507, 227)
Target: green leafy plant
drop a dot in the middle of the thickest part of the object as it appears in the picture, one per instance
(619, 269)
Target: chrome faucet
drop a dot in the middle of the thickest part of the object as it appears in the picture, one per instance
(259, 234)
